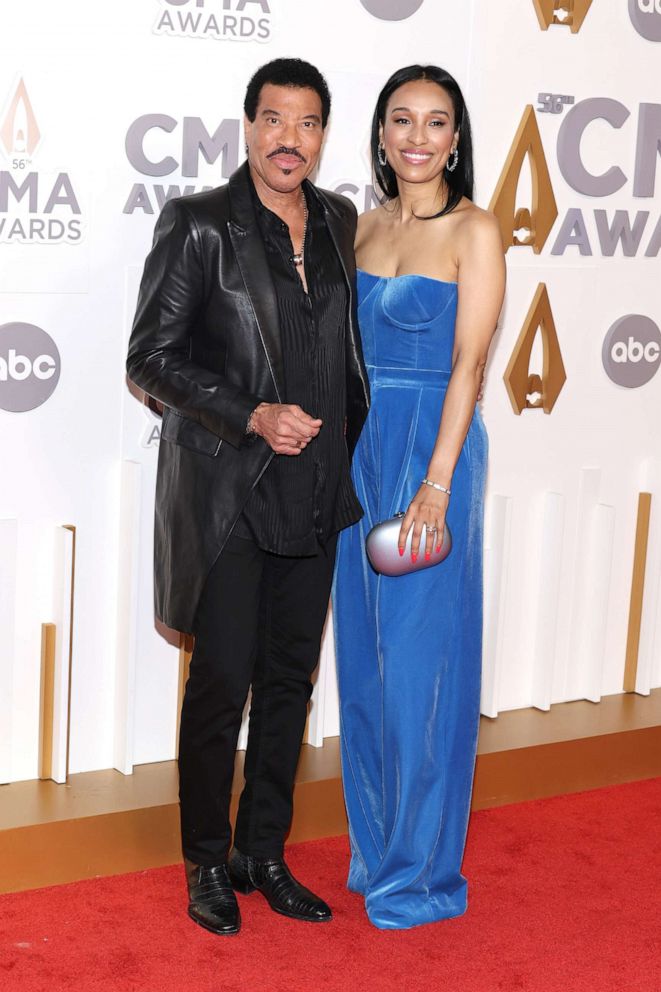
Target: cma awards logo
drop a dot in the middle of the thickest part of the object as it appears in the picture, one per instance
(36, 207)
(29, 367)
(531, 225)
(571, 13)
(159, 146)
(220, 20)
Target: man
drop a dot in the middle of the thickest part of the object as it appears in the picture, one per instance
(245, 331)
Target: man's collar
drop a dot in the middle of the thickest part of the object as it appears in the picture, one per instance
(243, 196)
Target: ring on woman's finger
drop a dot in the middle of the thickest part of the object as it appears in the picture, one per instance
(430, 529)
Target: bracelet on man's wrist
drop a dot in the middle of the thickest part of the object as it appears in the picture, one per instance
(250, 426)
(436, 485)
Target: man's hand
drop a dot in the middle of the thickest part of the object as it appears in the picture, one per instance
(285, 427)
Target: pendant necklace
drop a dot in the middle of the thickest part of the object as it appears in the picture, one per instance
(297, 257)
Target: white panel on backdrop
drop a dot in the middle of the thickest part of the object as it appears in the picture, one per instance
(155, 675)
(63, 570)
(61, 472)
(650, 630)
(582, 603)
(590, 649)
(8, 586)
(496, 547)
(548, 572)
(323, 703)
(37, 579)
(127, 616)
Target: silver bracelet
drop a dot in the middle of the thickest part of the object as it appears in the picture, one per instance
(436, 485)
(250, 430)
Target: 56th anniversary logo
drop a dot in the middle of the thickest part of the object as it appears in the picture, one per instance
(37, 206)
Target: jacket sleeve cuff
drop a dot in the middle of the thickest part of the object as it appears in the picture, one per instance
(235, 424)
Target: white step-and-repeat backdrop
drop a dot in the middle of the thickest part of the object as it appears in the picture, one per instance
(107, 110)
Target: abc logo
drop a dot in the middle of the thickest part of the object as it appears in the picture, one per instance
(29, 367)
(392, 10)
(632, 350)
(646, 18)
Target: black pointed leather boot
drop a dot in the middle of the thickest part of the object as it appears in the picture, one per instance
(281, 890)
(212, 903)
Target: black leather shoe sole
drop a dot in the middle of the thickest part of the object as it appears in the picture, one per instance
(224, 931)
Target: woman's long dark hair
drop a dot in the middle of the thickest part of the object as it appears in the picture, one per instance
(460, 181)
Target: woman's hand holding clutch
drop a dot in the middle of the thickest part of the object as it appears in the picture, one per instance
(426, 510)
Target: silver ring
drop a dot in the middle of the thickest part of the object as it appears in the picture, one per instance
(431, 530)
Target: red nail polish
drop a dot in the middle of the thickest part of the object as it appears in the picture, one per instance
(427, 555)
(438, 549)
(414, 558)
(401, 552)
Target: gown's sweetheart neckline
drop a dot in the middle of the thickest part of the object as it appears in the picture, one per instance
(408, 275)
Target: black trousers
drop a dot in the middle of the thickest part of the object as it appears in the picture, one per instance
(259, 623)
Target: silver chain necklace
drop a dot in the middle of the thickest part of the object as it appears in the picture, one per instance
(297, 257)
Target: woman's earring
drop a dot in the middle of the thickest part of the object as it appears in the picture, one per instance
(455, 159)
(246, 147)
(381, 155)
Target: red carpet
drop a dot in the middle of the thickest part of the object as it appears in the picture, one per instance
(565, 897)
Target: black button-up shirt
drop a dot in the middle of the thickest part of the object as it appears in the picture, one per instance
(301, 500)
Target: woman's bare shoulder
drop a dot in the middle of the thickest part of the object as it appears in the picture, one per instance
(476, 220)
(477, 230)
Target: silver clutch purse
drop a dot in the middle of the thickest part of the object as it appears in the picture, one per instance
(383, 551)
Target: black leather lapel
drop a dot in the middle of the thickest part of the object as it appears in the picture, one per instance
(340, 233)
(251, 259)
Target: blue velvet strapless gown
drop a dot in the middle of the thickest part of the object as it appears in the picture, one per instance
(409, 647)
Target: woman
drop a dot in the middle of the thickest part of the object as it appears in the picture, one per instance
(431, 280)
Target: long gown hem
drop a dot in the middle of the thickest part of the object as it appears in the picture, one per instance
(436, 916)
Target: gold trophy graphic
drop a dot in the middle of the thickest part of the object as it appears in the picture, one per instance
(572, 13)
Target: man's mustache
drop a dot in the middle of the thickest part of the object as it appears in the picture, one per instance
(283, 150)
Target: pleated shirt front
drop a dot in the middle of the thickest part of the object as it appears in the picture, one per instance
(301, 500)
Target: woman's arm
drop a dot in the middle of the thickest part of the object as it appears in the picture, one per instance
(481, 285)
